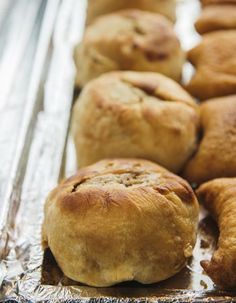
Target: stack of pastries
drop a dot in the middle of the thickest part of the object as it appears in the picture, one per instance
(126, 215)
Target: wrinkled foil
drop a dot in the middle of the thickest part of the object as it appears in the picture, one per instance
(44, 153)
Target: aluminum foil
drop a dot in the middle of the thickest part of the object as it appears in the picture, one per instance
(42, 153)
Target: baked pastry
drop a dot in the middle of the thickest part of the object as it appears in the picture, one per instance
(136, 40)
(130, 114)
(207, 2)
(102, 7)
(216, 17)
(121, 220)
(215, 62)
(219, 197)
(215, 156)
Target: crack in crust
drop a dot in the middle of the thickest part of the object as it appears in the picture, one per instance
(98, 222)
(127, 179)
(131, 114)
(153, 89)
(134, 176)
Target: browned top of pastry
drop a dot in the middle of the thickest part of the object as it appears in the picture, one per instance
(217, 17)
(154, 33)
(119, 177)
(135, 114)
(98, 222)
(96, 8)
(136, 40)
(215, 156)
(152, 84)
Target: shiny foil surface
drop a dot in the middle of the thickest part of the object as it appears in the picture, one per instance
(36, 96)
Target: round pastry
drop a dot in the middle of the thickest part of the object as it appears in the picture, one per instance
(102, 7)
(130, 114)
(129, 40)
(121, 220)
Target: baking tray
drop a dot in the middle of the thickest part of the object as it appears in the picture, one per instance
(41, 153)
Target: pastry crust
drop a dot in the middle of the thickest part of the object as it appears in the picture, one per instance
(207, 2)
(215, 62)
(129, 114)
(216, 17)
(215, 156)
(121, 220)
(136, 40)
(219, 197)
(102, 7)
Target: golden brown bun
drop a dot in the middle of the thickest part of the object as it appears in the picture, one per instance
(121, 220)
(216, 17)
(215, 62)
(129, 40)
(102, 7)
(215, 156)
(219, 197)
(207, 2)
(130, 114)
